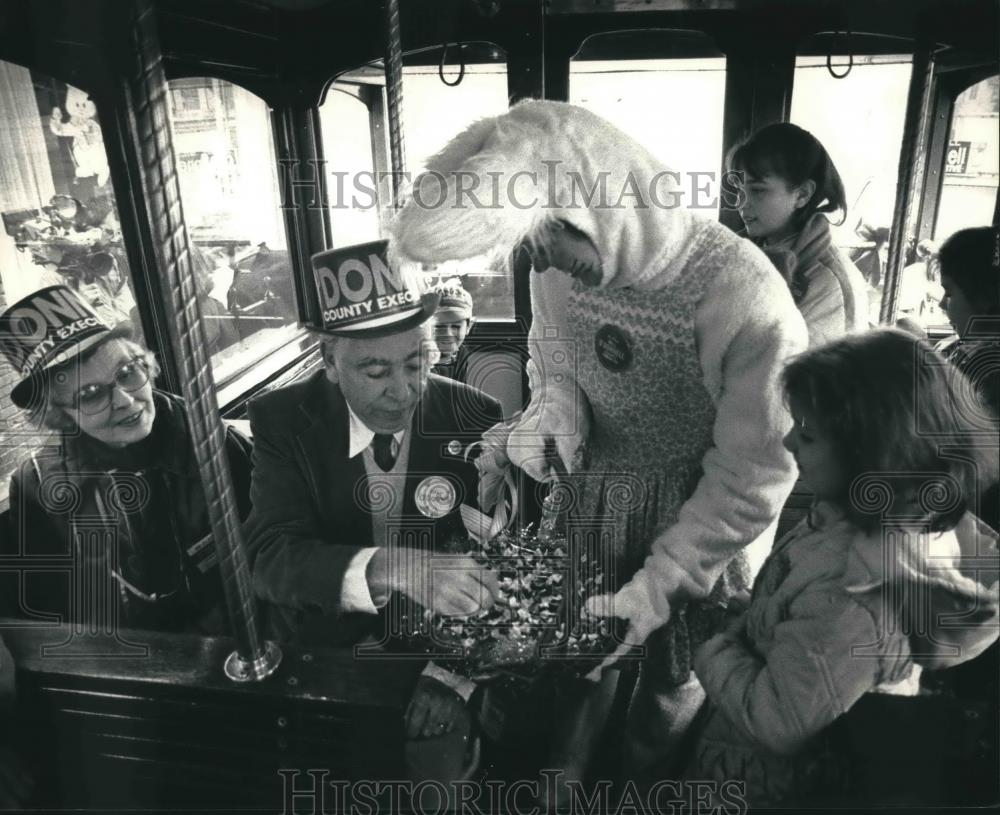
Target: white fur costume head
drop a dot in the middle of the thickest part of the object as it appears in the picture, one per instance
(506, 179)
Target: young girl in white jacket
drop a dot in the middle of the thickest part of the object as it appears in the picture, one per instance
(871, 586)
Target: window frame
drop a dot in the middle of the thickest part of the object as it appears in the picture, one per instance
(138, 250)
(486, 332)
(289, 130)
(949, 85)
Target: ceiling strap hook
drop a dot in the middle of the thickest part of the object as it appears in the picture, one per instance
(846, 35)
(461, 65)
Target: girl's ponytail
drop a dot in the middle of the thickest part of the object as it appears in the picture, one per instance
(830, 196)
(795, 155)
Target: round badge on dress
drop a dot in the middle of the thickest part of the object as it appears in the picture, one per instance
(455, 447)
(435, 496)
(614, 348)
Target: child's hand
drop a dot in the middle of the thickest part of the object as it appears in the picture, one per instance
(632, 603)
(733, 634)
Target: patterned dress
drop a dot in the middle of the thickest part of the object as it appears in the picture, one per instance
(652, 424)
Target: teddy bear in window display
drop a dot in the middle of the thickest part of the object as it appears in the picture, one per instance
(82, 127)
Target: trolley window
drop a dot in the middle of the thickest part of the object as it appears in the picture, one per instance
(972, 160)
(226, 164)
(60, 222)
(673, 107)
(859, 120)
(444, 91)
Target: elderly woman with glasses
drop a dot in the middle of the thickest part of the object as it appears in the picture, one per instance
(118, 493)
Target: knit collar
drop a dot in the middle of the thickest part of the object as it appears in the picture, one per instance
(809, 242)
(823, 515)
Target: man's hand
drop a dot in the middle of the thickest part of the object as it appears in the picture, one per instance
(450, 585)
(434, 710)
(454, 586)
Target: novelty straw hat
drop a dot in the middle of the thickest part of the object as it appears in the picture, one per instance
(361, 295)
(45, 329)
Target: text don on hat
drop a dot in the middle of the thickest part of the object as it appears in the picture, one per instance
(360, 294)
(44, 329)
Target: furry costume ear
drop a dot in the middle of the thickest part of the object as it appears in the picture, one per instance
(475, 197)
(503, 179)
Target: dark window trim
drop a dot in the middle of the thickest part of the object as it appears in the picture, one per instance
(634, 44)
(233, 392)
(949, 86)
(280, 366)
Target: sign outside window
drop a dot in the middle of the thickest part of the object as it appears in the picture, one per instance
(957, 158)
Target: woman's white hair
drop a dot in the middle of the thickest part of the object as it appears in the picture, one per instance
(53, 416)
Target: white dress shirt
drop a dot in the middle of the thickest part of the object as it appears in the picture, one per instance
(354, 593)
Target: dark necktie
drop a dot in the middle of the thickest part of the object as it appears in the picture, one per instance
(382, 448)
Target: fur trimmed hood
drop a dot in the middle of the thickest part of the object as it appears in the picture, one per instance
(951, 602)
(504, 179)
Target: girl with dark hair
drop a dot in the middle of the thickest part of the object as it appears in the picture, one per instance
(851, 600)
(789, 187)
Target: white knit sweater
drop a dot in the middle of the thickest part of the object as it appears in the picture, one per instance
(746, 327)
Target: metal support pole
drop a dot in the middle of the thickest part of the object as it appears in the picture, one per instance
(150, 138)
(394, 96)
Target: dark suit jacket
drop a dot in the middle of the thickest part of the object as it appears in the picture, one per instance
(310, 514)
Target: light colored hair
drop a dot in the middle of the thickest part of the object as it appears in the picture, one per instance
(49, 414)
(896, 410)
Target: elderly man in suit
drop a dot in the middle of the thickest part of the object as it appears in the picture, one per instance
(359, 476)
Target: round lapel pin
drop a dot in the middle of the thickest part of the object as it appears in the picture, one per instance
(435, 496)
(613, 347)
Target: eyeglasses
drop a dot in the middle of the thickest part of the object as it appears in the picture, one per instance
(94, 398)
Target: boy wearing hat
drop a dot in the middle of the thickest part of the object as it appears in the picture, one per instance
(366, 451)
(452, 322)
